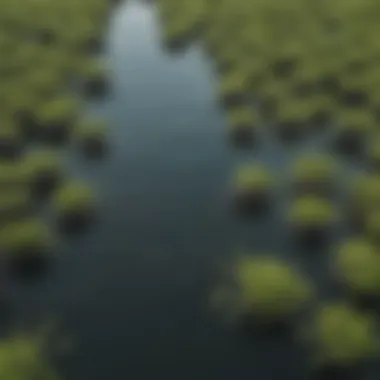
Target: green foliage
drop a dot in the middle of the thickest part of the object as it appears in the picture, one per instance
(314, 169)
(25, 237)
(357, 266)
(291, 112)
(234, 82)
(94, 69)
(59, 110)
(242, 117)
(9, 133)
(355, 120)
(365, 193)
(43, 80)
(14, 202)
(312, 211)
(23, 358)
(43, 162)
(342, 336)
(74, 197)
(270, 289)
(12, 175)
(373, 150)
(253, 177)
(373, 225)
(91, 129)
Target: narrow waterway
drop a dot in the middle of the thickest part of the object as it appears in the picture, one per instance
(134, 291)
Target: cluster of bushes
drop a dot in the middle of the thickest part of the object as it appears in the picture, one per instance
(43, 66)
(308, 64)
(24, 357)
(49, 67)
(269, 293)
(300, 64)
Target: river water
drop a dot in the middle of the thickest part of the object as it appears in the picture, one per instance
(134, 291)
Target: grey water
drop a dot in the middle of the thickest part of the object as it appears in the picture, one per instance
(134, 292)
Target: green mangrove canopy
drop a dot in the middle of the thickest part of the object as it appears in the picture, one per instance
(25, 237)
(342, 336)
(269, 289)
(74, 197)
(357, 265)
(253, 177)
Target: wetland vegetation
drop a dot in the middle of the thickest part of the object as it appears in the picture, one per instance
(295, 96)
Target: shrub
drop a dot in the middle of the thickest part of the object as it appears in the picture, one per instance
(353, 128)
(357, 267)
(74, 203)
(341, 336)
(14, 203)
(287, 62)
(322, 109)
(304, 82)
(12, 175)
(373, 152)
(95, 74)
(271, 94)
(364, 197)
(353, 91)
(10, 141)
(253, 185)
(43, 82)
(91, 134)
(233, 87)
(44, 171)
(292, 117)
(373, 225)
(312, 217)
(57, 118)
(269, 290)
(23, 358)
(25, 239)
(22, 106)
(314, 174)
(243, 122)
